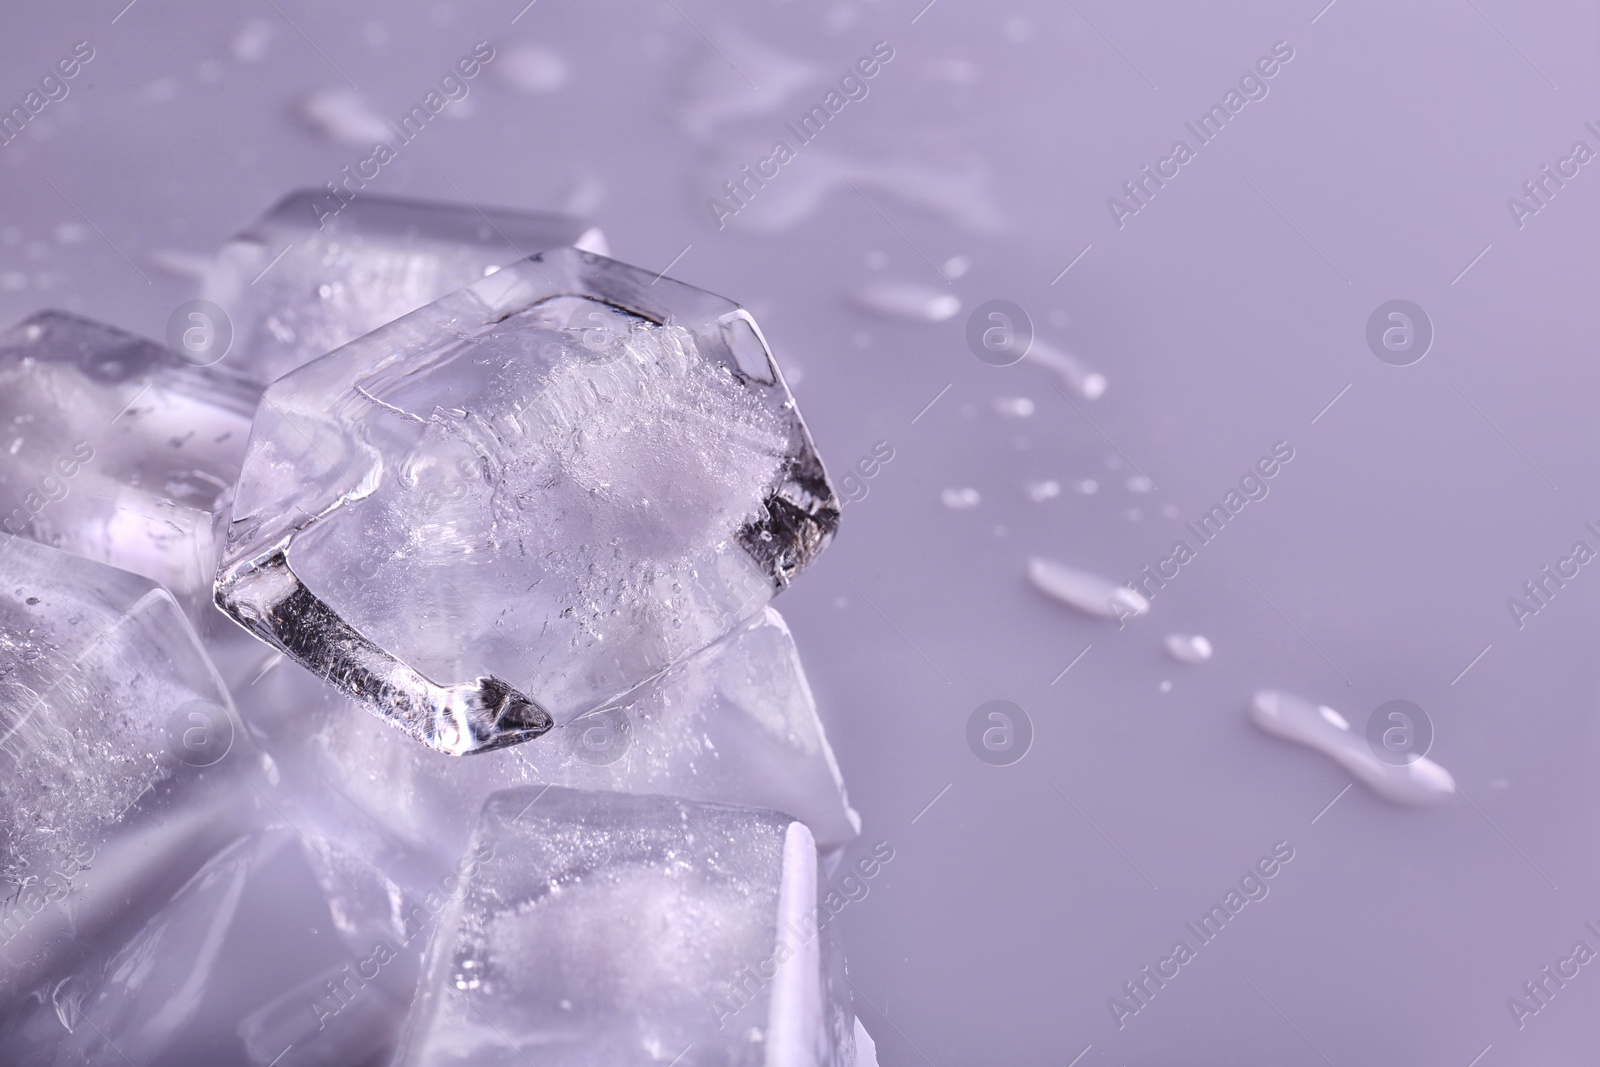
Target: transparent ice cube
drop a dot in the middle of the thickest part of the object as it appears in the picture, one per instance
(523, 500)
(122, 764)
(607, 929)
(735, 724)
(319, 270)
(336, 1018)
(113, 449)
(240, 932)
(389, 820)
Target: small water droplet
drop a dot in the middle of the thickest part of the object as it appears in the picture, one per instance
(341, 114)
(909, 301)
(1188, 648)
(1013, 407)
(1018, 29)
(531, 68)
(251, 41)
(1073, 372)
(1041, 491)
(960, 499)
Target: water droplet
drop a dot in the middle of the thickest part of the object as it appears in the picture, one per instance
(1013, 407)
(840, 17)
(1087, 592)
(1138, 483)
(1041, 491)
(1018, 29)
(955, 71)
(530, 68)
(1188, 648)
(341, 114)
(956, 266)
(1072, 371)
(1087, 486)
(1421, 781)
(908, 300)
(251, 41)
(1165, 686)
(960, 499)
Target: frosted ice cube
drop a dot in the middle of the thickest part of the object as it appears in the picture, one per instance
(122, 765)
(317, 270)
(523, 500)
(605, 929)
(113, 449)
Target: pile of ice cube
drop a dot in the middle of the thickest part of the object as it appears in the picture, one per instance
(507, 759)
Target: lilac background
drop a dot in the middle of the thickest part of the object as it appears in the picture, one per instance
(1226, 315)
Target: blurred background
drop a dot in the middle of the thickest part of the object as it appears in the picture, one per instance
(1227, 306)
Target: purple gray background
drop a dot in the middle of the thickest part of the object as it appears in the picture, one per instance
(1227, 315)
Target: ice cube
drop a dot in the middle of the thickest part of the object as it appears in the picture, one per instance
(388, 819)
(523, 500)
(606, 929)
(113, 449)
(735, 724)
(333, 1019)
(240, 932)
(121, 760)
(319, 270)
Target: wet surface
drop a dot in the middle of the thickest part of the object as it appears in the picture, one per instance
(1227, 306)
